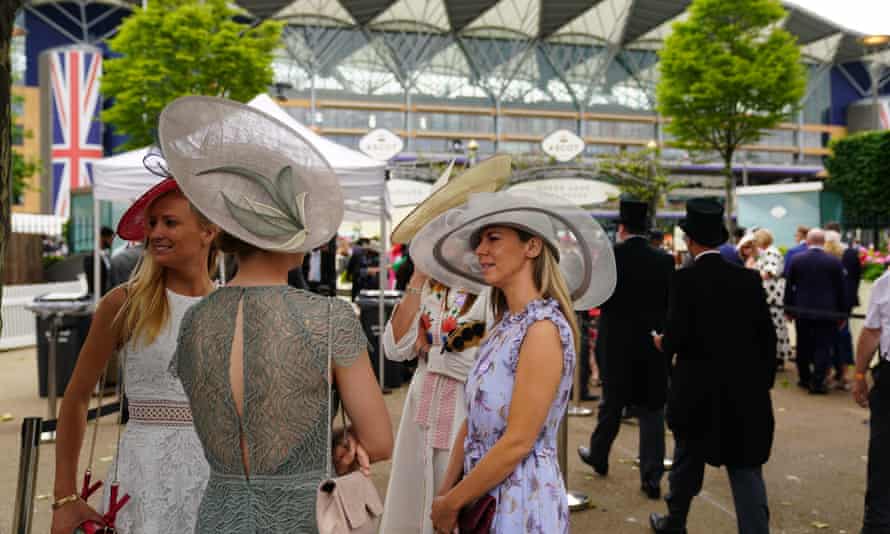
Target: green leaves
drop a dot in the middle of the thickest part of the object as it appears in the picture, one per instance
(729, 73)
(859, 170)
(183, 47)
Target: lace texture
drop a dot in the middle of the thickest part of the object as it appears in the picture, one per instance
(285, 402)
(161, 466)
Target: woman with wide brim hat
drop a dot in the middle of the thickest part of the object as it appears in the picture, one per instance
(253, 357)
(543, 259)
(159, 461)
(442, 328)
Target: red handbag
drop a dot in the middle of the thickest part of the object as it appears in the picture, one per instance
(477, 518)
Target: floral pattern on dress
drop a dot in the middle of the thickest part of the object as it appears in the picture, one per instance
(533, 498)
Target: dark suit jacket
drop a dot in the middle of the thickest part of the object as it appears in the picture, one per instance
(720, 329)
(792, 252)
(635, 372)
(853, 269)
(816, 281)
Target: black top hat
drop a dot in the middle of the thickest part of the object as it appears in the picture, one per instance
(632, 213)
(704, 222)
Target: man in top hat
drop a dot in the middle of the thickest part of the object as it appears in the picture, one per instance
(719, 405)
(634, 372)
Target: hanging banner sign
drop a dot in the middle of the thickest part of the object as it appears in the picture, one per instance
(562, 145)
(381, 144)
(580, 192)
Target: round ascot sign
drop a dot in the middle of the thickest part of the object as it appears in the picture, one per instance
(562, 145)
(580, 192)
(381, 144)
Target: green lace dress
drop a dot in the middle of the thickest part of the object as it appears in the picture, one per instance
(285, 339)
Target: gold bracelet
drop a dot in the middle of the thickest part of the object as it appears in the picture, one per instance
(65, 500)
(413, 290)
(859, 376)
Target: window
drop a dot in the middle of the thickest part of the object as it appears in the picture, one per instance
(18, 134)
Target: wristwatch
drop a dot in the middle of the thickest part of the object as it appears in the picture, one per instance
(65, 500)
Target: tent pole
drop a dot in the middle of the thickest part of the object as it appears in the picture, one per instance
(381, 308)
(97, 247)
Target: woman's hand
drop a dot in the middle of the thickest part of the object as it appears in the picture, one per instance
(72, 515)
(350, 456)
(444, 515)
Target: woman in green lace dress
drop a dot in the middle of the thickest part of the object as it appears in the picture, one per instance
(253, 356)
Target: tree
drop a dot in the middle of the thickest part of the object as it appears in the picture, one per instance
(8, 10)
(641, 175)
(728, 73)
(174, 48)
(858, 169)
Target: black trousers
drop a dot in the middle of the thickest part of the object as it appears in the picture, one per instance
(651, 437)
(815, 343)
(688, 474)
(877, 494)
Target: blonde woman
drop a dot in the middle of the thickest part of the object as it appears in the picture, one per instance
(519, 386)
(442, 327)
(771, 264)
(159, 462)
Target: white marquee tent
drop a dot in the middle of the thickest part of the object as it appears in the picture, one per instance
(123, 177)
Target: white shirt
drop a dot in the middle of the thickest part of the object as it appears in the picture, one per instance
(878, 315)
(315, 266)
(709, 251)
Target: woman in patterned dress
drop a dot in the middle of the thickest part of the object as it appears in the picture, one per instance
(159, 462)
(770, 264)
(519, 387)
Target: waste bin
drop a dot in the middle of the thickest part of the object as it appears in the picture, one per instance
(72, 334)
(369, 314)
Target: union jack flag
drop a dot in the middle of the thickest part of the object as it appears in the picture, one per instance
(76, 130)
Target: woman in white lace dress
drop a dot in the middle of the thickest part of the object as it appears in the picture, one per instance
(159, 463)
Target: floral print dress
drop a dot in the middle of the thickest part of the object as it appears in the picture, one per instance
(532, 499)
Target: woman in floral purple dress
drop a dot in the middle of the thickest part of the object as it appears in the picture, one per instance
(540, 261)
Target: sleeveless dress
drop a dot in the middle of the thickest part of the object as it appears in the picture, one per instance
(284, 423)
(532, 499)
(435, 407)
(159, 461)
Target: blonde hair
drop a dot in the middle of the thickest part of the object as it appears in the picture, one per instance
(763, 238)
(549, 281)
(145, 310)
(833, 244)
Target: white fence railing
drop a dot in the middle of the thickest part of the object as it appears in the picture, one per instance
(19, 326)
(34, 223)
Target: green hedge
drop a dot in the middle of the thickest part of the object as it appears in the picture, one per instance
(859, 170)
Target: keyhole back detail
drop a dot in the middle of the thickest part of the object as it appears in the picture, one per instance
(236, 381)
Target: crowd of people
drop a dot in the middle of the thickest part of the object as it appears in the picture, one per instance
(233, 389)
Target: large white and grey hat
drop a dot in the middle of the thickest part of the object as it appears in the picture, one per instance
(249, 173)
(445, 248)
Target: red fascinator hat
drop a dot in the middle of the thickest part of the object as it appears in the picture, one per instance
(132, 225)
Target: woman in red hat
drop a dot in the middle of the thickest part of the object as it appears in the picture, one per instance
(159, 461)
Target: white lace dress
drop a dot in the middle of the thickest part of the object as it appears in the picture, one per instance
(160, 461)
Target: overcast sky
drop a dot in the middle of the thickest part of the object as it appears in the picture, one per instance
(866, 16)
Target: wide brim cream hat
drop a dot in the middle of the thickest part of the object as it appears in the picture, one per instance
(449, 192)
(445, 248)
(250, 174)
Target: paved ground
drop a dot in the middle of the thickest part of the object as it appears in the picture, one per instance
(815, 480)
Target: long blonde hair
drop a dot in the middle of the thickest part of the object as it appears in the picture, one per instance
(549, 281)
(145, 310)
